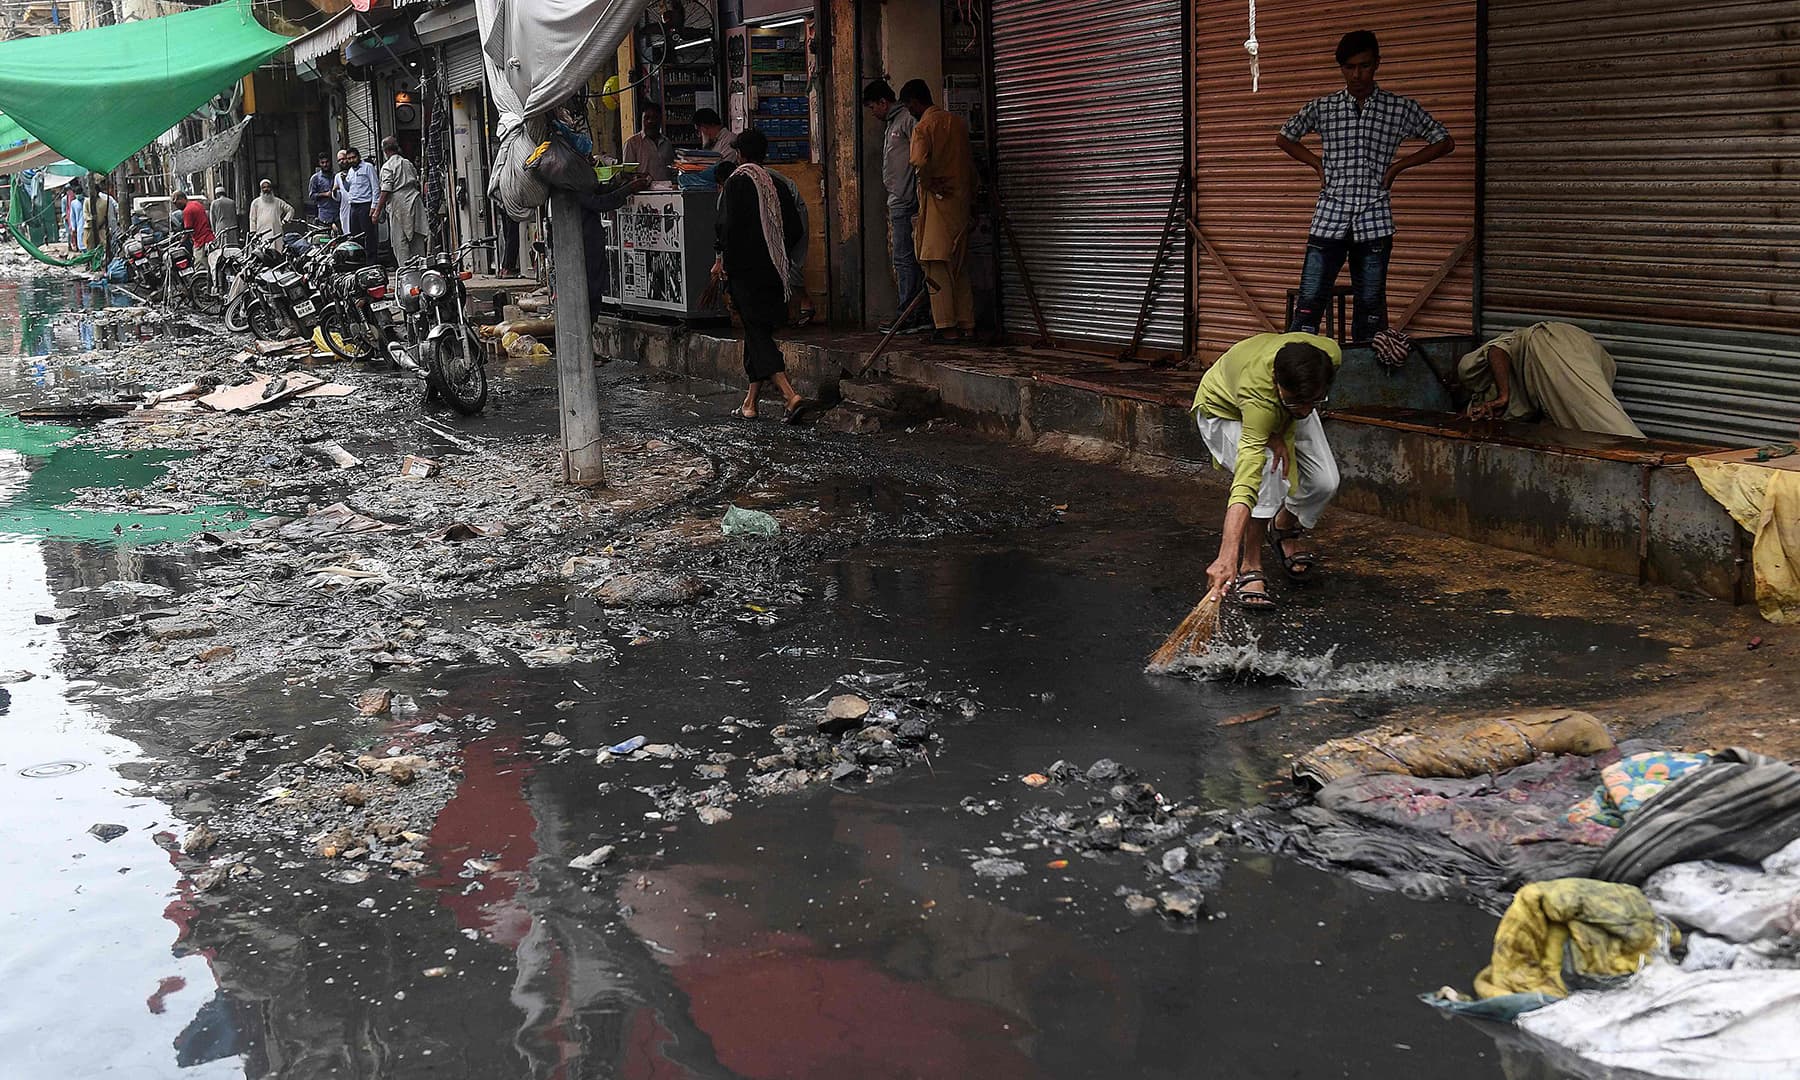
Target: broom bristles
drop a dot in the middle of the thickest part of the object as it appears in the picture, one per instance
(1193, 636)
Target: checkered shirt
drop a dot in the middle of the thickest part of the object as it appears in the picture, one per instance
(1358, 146)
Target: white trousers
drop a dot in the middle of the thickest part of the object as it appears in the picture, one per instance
(1316, 471)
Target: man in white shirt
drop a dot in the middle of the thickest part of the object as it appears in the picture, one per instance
(715, 136)
(269, 213)
(360, 184)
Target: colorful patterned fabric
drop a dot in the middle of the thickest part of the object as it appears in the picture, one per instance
(1630, 782)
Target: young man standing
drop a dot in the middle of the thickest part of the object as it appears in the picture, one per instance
(902, 197)
(359, 186)
(945, 163)
(1360, 130)
(1258, 413)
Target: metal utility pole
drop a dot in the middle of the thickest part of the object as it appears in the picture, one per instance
(578, 397)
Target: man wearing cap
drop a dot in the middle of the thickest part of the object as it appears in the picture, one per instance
(224, 214)
(269, 213)
(407, 228)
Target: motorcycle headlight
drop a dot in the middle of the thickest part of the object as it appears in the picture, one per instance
(434, 285)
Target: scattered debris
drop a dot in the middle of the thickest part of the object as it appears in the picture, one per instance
(107, 833)
(741, 522)
(418, 468)
(593, 860)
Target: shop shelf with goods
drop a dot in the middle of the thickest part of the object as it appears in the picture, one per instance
(770, 69)
(681, 63)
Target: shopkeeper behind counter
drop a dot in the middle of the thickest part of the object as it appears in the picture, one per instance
(650, 148)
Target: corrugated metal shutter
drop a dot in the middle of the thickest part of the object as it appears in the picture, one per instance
(462, 65)
(1254, 203)
(1640, 182)
(1089, 143)
(359, 106)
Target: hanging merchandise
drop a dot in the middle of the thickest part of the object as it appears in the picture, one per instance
(209, 151)
(98, 96)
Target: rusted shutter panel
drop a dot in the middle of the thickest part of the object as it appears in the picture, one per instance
(1640, 182)
(1089, 145)
(1254, 203)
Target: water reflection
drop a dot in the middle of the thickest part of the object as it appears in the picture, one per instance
(28, 314)
(91, 941)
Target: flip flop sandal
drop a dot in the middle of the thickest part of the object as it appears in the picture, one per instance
(807, 315)
(1300, 567)
(1251, 601)
(793, 415)
(739, 414)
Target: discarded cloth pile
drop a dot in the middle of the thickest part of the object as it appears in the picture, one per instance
(1602, 970)
(1478, 809)
(1651, 897)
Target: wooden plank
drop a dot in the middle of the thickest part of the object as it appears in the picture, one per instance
(1231, 280)
(578, 391)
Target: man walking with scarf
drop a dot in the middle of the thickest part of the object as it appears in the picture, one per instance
(758, 222)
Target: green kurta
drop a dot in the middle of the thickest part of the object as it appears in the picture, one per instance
(1240, 385)
(1560, 375)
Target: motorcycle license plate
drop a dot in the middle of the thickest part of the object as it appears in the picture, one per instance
(304, 308)
(382, 305)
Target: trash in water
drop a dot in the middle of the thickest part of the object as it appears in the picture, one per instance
(741, 522)
(417, 467)
(107, 833)
(628, 746)
(997, 868)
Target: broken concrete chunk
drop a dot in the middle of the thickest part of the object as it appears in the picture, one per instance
(842, 713)
(179, 629)
(199, 840)
(401, 768)
(593, 859)
(107, 833)
(555, 740)
(1139, 904)
(997, 868)
(215, 652)
(375, 701)
(1174, 860)
(712, 815)
(1182, 904)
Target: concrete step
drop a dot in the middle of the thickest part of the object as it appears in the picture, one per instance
(908, 399)
(855, 418)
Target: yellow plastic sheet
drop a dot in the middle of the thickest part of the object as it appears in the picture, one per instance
(1765, 501)
(1599, 928)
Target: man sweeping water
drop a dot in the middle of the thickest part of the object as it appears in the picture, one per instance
(1258, 412)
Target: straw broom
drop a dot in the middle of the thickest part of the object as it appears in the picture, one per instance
(1194, 635)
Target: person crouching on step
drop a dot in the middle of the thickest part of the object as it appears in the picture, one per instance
(1257, 409)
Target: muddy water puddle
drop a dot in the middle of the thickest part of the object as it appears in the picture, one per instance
(838, 931)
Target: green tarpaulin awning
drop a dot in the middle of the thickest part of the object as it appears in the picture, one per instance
(99, 96)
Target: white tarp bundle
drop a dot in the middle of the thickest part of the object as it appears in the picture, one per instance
(539, 53)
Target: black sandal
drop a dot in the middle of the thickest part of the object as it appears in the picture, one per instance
(1252, 601)
(793, 415)
(1299, 567)
(739, 414)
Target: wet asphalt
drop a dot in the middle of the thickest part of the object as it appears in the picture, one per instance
(837, 932)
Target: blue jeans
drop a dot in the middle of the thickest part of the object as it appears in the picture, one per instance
(907, 276)
(1325, 256)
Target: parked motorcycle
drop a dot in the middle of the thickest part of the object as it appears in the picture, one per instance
(440, 342)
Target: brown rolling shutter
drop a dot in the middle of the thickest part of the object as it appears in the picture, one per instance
(1640, 182)
(1089, 146)
(1253, 203)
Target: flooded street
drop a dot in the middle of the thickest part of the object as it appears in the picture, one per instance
(831, 927)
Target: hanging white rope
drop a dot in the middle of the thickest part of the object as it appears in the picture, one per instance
(1251, 47)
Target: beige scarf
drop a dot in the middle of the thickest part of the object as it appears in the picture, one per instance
(770, 205)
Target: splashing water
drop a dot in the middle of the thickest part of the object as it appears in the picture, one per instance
(1249, 662)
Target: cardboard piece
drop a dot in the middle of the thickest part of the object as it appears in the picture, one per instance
(260, 392)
